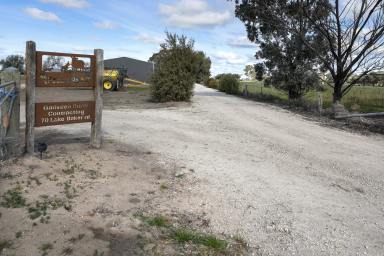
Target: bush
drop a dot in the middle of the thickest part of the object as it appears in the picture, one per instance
(229, 83)
(211, 83)
(174, 75)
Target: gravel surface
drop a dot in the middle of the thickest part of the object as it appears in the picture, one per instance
(288, 185)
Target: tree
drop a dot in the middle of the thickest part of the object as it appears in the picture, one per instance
(249, 71)
(269, 24)
(202, 67)
(229, 83)
(16, 61)
(353, 34)
(174, 75)
(53, 61)
(259, 70)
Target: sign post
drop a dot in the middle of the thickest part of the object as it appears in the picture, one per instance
(96, 125)
(63, 88)
(30, 84)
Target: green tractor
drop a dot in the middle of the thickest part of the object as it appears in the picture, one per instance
(113, 80)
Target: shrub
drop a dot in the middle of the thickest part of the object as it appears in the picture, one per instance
(211, 83)
(229, 83)
(174, 75)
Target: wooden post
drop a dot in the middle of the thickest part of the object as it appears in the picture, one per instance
(30, 82)
(12, 133)
(96, 130)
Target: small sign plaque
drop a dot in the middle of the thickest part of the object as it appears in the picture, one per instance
(58, 113)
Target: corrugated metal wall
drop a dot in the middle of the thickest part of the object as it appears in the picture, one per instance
(136, 69)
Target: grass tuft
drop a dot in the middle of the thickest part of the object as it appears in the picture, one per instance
(183, 235)
(13, 198)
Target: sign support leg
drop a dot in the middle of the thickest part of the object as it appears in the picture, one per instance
(30, 64)
(96, 129)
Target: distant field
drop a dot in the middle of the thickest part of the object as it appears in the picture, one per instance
(360, 98)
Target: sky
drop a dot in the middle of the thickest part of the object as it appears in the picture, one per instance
(126, 28)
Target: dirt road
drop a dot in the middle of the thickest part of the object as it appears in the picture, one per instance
(288, 185)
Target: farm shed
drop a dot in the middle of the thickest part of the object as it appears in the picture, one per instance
(135, 69)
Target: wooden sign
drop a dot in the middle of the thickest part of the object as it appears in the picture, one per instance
(63, 88)
(56, 69)
(57, 113)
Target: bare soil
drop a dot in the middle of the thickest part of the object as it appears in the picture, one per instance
(283, 183)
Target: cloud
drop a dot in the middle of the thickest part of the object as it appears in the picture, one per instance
(241, 42)
(106, 25)
(229, 58)
(41, 15)
(82, 49)
(76, 4)
(192, 13)
(148, 39)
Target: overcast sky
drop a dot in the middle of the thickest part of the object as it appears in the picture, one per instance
(126, 28)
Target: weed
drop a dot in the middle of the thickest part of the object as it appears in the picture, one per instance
(183, 235)
(97, 253)
(69, 191)
(158, 221)
(180, 175)
(76, 238)
(13, 198)
(35, 179)
(44, 248)
(92, 174)
(40, 208)
(164, 186)
(240, 240)
(71, 168)
(6, 175)
(5, 244)
(67, 251)
(18, 234)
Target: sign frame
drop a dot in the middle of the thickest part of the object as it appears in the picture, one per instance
(34, 72)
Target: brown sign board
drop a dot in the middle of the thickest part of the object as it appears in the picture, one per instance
(58, 113)
(55, 69)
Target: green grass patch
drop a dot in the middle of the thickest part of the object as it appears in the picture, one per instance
(13, 198)
(361, 98)
(183, 235)
(45, 248)
(5, 244)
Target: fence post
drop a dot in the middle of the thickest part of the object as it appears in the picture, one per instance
(12, 132)
(320, 102)
(96, 128)
(30, 84)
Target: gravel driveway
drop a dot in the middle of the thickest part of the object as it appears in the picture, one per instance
(288, 185)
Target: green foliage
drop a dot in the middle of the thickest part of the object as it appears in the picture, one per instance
(229, 83)
(183, 235)
(16, 61)
(202, 66)
(212, 83)
(174, 75)
(13, 198)
(5, 244)
(259, 71)
(44, 248)
(250, 72)
(286, 56)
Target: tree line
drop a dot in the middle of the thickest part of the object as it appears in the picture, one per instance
(301, 40)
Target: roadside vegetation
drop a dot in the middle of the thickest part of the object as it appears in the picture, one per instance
(177, 68)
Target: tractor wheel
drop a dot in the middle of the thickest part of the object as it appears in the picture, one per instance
(108, 84)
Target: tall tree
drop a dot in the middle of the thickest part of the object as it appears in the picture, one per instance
(260, 70)
(249, 71)
(354, 37)
(202, 66)
(16, 61)
(269, 24)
